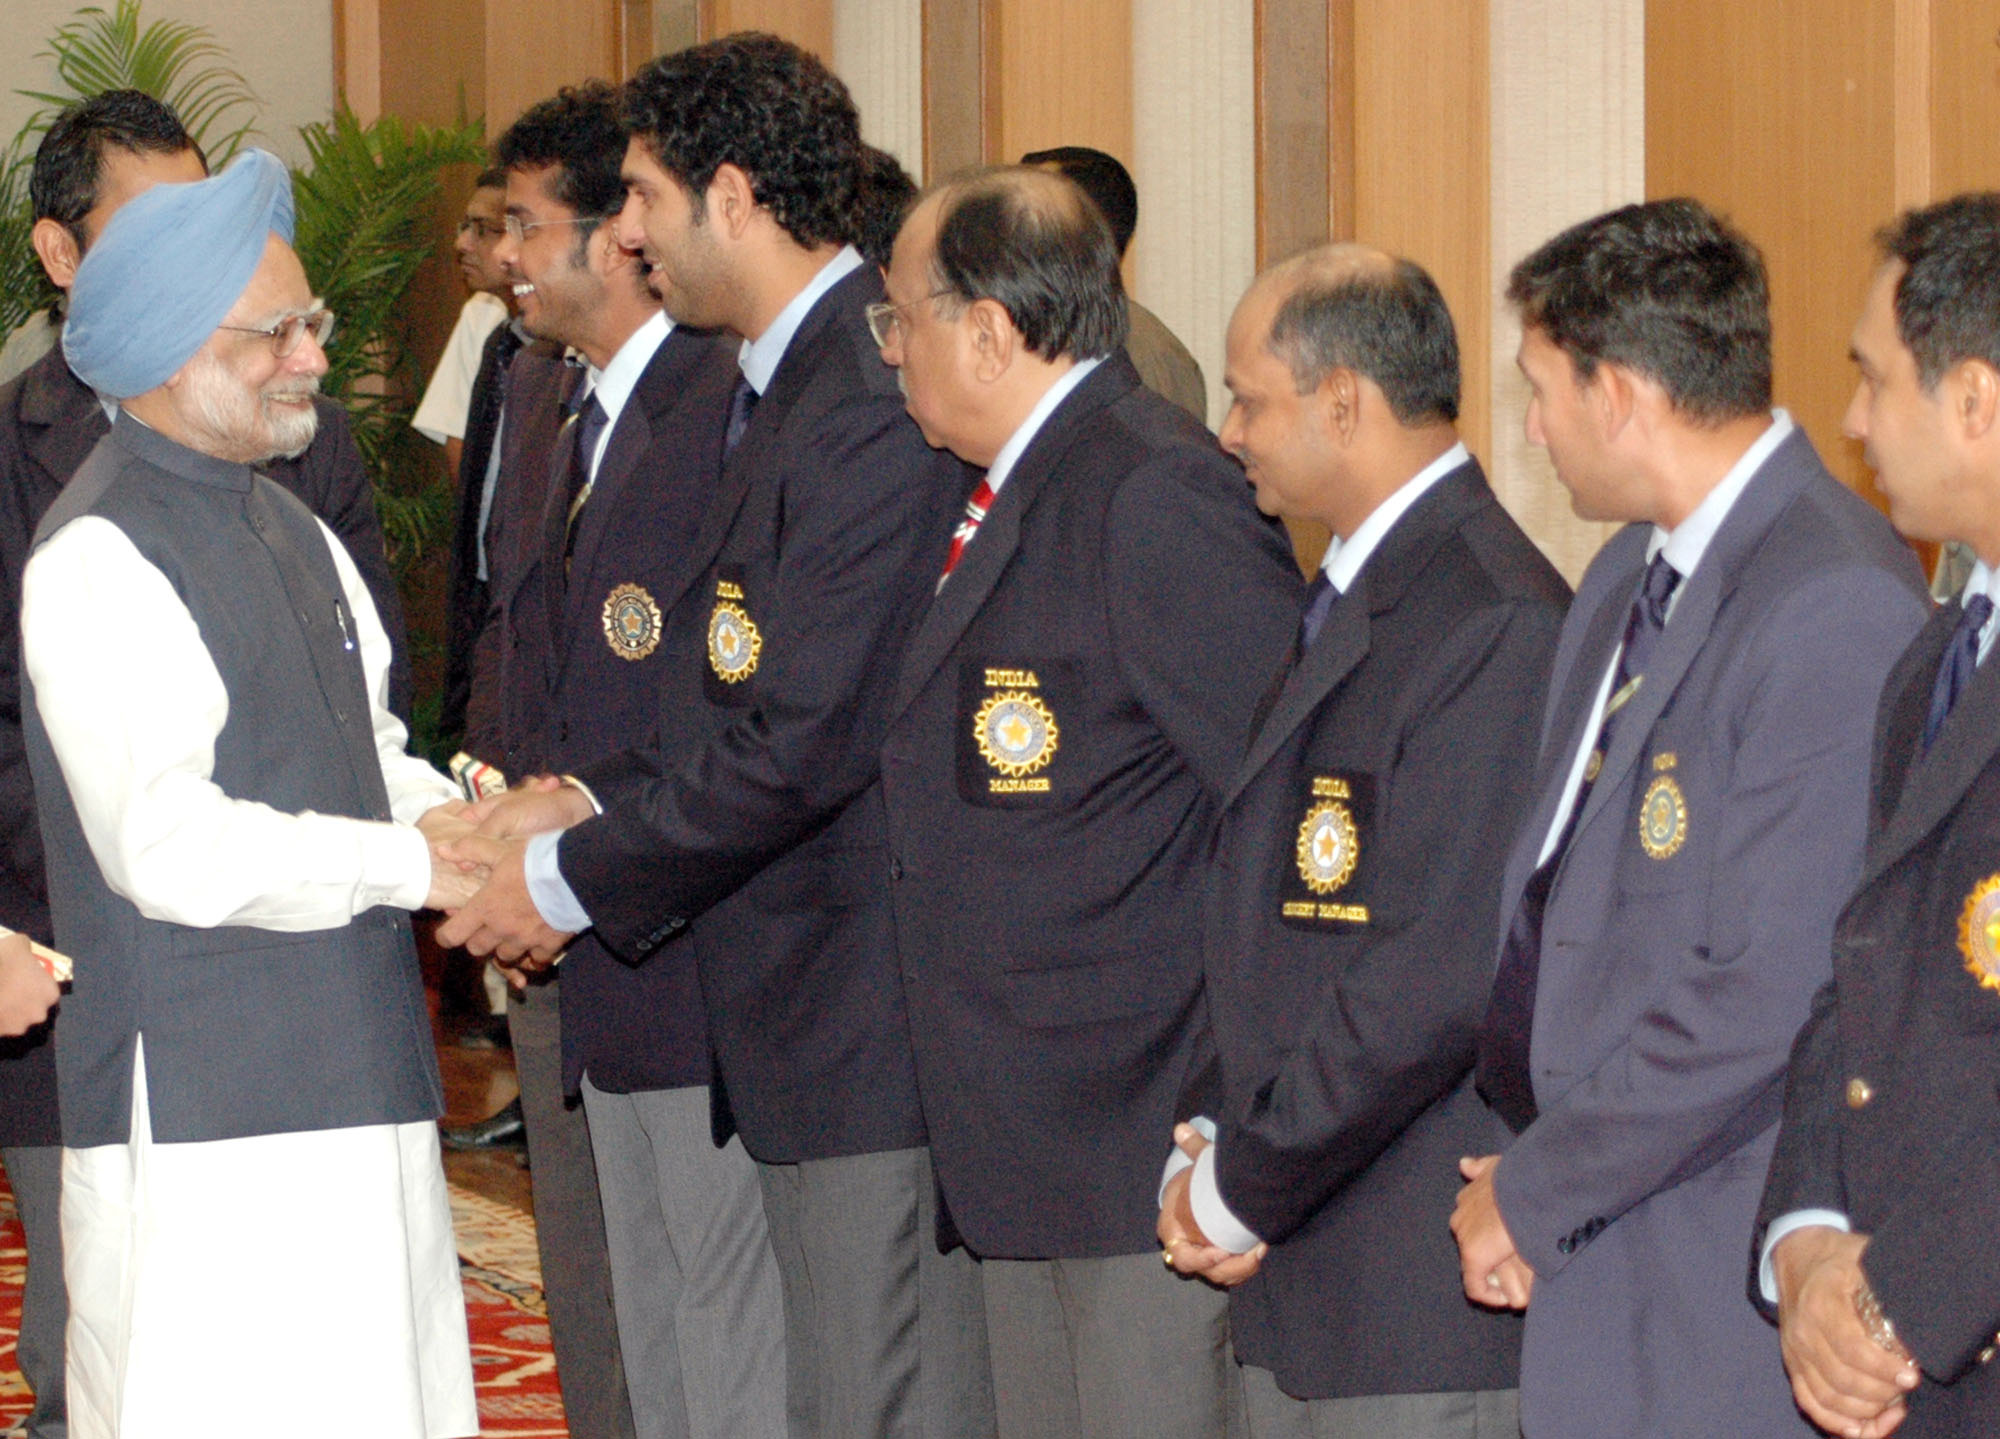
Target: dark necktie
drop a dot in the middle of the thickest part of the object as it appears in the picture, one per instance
(976, 506)
(742, 405)
(1955, 667)
(1504, 1077)
(1320, 595)
(585, 427)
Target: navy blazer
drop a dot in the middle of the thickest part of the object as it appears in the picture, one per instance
(1685, 935)
(1345, 986)
(50, 421)
(1075, 702)
(1890, 1113)
(585, 655)
(756, 813)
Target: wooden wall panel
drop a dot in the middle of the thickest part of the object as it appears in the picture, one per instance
(1422, 151)
(1964, 99)
(533, 49)
(1058, 72)
(806, 23)
(1781, 115)
(1295, 100)
(954, 87)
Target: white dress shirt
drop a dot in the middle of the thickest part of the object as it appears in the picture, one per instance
(441, 414)
(133, 710)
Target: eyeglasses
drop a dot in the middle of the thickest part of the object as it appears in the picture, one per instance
(288, 334)
(518, 228)
(484, 228)
(884, 319)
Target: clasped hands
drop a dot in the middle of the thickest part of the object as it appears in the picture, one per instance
(1847, 1380)
(1492, 1270)
(1186, 1248)
(478, 876)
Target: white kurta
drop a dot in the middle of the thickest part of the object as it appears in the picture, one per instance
(298, 1284)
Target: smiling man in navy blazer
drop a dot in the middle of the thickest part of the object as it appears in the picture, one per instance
(1077, 696)
(1696, 820)
(598, 609)
(1359, 839)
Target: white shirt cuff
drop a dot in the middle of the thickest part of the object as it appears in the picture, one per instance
(1224, 1229)
(553, 897)
(395, 867)
(1177, 1161)
(1767, 1281)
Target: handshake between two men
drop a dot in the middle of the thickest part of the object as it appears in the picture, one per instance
(479, 875)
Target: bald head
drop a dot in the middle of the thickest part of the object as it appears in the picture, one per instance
(1357, 308)
(1033, 243)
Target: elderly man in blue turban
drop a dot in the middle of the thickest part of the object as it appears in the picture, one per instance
(234, 836)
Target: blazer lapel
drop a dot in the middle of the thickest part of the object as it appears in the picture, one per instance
(1934, 782)
(986, 558)
(1774, 486)
(1343, 642)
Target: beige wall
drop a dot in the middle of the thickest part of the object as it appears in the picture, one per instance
(284, 48)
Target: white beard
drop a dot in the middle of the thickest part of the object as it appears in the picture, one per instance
(233, 422)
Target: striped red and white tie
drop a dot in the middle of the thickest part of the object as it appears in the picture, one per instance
(975, 511)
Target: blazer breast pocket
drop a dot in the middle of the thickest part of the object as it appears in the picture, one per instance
(1668, 832)
(1016, 729)
(735, 640)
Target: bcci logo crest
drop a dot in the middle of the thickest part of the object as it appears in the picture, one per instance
(1663, 818)
(1329, 847)
(631, 623)
(1979, 932)
(733, 643)
(1016, 733)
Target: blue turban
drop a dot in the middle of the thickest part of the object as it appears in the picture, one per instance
(167, 270)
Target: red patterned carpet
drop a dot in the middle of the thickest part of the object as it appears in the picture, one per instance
(511, 1363)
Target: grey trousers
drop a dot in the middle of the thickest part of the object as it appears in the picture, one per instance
(700, 1320)
(35, 1173)
(1109, 1348)
(1481, 1414)
(569, 1223)
(883, 1334)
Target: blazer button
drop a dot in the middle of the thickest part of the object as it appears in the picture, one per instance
(1859, 1092)
(895, 868)
(1566, 1244)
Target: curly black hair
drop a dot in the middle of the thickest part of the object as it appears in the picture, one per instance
(577, 131)
(770, 109)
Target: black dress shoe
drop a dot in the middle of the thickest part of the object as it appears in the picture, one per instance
(506, 1129)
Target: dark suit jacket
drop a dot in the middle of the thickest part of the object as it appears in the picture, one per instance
(1685, 935)
(758, 808)
(50, 421)
(1344, 1014)
(466, 596)
(1913, 1013)
(538, 388)
(585, 659)
(1124, 595)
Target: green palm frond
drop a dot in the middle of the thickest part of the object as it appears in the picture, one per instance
(174, 61)
(24, 289)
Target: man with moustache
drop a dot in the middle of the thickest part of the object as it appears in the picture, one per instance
(97, 155)
(1876, 1244)
(233, 835)
(602, 610)
(1069, 713)
(754, 821)
(1696, 821)
(1358, 842)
